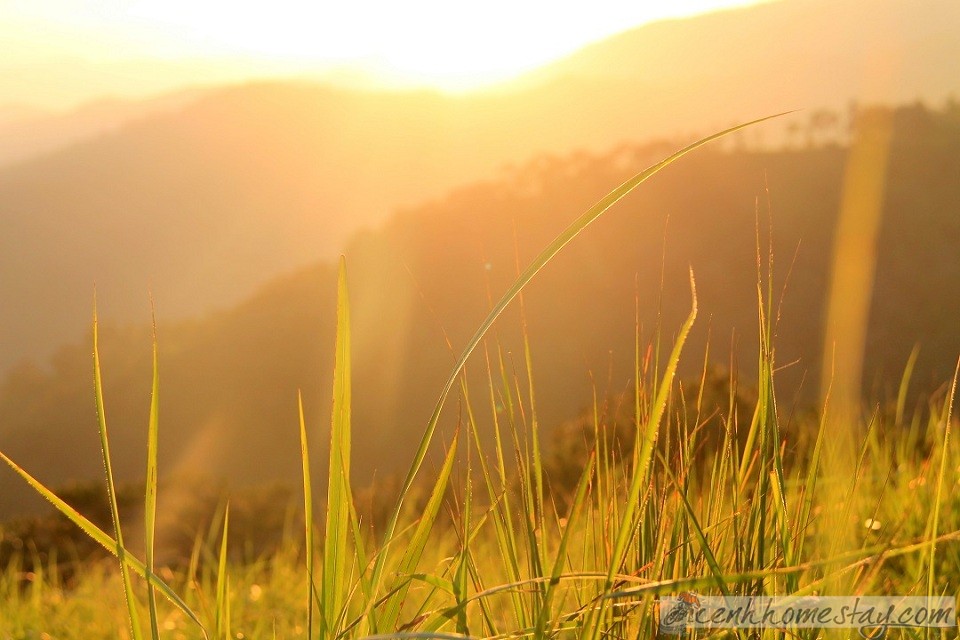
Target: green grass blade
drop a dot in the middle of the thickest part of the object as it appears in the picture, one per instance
(111, 489)
(701, 536)
(414, 550)
(103, 539)
(938, 496)
(499, 496)
(334, 580)
(579, 498)
(813, 474)
(460, 580)
(650, 435)
(537, 467)
(359, 547)
(307, 513)
(417, 635)
(150, 497)
(222, 626)
(545, 256)
(905, 384)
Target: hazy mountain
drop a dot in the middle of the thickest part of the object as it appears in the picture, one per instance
(229, 380)
(13, 113)
(26, 132)
(202, 204)
(797, 54)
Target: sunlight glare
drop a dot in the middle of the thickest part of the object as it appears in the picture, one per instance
(452, 46)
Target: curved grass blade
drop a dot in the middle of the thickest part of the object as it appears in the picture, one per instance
(417, 544)
(650, 433)
(545, 256)
(307, 512)
(905, 384)
(104, 540)
(121, 552)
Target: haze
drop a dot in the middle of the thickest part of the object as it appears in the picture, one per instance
(244, 150)
(59, 53)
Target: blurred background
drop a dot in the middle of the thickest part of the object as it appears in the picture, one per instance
(221, 157)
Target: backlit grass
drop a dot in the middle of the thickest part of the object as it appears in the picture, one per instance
(486, 546)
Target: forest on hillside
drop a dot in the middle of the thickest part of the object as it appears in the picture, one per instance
(230, 378)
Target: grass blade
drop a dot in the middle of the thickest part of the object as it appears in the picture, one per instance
(414, 550)
(938, 496)
(701, 535)
(650, 434)
(104, 540)
(121, 552)
(561, 559)
(905, 385)
(150, 496)
(334, 578)
(222, 626)
(307, 513)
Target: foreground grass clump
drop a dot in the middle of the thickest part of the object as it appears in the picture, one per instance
(500, 559)
(893, 500)
(494, 549)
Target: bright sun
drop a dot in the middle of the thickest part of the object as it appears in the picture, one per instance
(441, 43)
(449, 44)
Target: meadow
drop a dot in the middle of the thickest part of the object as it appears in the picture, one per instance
(489, 543)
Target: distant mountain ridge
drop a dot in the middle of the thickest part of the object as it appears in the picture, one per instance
(28, 133)
(203, 203)
(229, 381)
(811, 52)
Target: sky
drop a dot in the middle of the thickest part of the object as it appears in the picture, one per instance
(56, 53)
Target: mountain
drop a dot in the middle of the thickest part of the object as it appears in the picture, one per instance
(230, 378)
(26, 133)
(203, 203)
(799, 54)
(13, 113)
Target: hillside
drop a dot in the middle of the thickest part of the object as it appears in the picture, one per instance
(28, 133)
(230, 378)
(775, 53)
(203, 203)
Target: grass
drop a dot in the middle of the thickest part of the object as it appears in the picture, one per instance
(502, 553)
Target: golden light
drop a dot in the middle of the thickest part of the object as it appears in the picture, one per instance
(448, 45)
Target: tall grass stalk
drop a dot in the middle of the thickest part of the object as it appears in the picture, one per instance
(222, 619)
(307, 515)
(121, 551)
(337, 522)
(150, 490)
